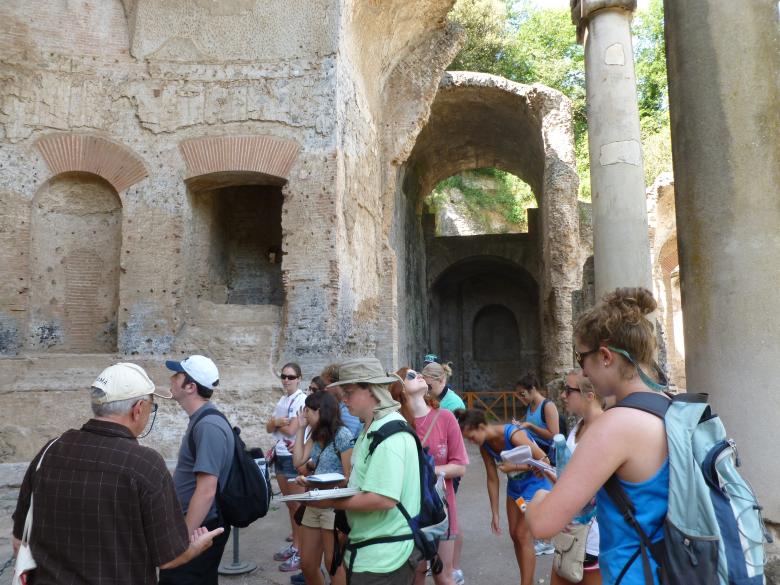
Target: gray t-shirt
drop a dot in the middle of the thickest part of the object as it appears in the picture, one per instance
(214, 447)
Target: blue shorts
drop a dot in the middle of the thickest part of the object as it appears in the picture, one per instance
(284, 467)
(526, 487)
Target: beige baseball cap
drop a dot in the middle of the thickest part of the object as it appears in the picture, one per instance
(123, 381)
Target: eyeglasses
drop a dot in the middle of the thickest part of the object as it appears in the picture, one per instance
(411, 375)
(580, 357)
(153, 415)
(286, 377)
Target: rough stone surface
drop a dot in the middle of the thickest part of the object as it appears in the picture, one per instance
(666, 275)
(723, 96)
(195, 110)
(479, 120)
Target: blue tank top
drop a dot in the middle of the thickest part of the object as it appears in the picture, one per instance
(519, 485)
(537, 418)
(619, 542)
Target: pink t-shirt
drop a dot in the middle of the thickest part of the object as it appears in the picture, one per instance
(445, 444)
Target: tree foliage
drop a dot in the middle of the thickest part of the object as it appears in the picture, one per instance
(522, 42)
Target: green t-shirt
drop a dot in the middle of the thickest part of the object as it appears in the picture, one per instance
(451, 401)
(392, 471)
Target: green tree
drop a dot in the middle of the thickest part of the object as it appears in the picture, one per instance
(522, 42)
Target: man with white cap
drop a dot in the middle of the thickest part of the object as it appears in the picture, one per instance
(389, 476)
(205, 458)
(105, 508)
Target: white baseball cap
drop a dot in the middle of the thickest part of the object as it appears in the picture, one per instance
(199, 368)
(123, 381)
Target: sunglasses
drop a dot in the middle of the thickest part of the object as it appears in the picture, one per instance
(411, 375)
(570, 389)
(286, 377)
(580, 357)
(313, 389)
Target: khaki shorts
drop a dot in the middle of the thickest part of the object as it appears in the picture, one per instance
(318, 518)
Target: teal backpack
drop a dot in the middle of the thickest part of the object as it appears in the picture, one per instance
(713, 532)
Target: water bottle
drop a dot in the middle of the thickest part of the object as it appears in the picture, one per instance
(562, 453)
(562, 456)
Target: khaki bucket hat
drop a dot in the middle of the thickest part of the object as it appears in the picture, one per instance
(366, 370)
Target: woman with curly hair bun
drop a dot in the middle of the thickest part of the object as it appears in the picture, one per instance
(615, 346)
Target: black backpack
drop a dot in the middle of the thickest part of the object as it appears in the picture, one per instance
(246, 495)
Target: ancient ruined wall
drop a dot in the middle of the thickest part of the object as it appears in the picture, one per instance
(479, 120)
(666, 276)
(133, 82)
(75, 242)
(485, 307)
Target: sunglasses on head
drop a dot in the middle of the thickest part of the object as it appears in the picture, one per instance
(411, 375)
(286, 377)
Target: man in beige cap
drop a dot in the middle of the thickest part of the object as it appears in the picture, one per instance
(105, 508)
(387, 478)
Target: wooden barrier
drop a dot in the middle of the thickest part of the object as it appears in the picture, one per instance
(498, 406)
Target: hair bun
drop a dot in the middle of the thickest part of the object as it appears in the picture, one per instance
(632, 302)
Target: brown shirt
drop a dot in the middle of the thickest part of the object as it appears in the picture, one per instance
(105, 510)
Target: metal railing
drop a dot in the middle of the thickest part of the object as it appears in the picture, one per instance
(498, 406)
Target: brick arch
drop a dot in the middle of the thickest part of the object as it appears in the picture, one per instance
(114, 162)
(267, 155)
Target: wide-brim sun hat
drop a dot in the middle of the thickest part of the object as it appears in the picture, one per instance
(367, 370)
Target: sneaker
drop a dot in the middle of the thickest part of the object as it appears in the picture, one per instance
(457, 576)
(298, 579)
(291, 564)
(285, 553)
(543, 548)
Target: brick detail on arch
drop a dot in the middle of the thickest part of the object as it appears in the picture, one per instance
(261, 154)
(114, 162)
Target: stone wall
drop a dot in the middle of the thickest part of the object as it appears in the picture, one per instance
(175, 115)
(479, 120)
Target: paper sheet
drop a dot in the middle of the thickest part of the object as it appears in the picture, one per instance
(314, 495)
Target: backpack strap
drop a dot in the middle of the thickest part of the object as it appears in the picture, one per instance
(651, 402)
(202, 414)
(387, 430)
(430, 428)
(657, 405)
(626, 507)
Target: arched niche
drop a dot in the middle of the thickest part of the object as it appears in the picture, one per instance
(75, 244)
(235, 233)
(496, 337)
(484, 318)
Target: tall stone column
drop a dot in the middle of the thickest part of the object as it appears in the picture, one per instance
(620, 244)
(724, 100)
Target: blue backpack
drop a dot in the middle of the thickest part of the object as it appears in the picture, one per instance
(431, 523)
(713, 531)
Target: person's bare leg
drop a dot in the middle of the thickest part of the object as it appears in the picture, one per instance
(522, 541)
(446, 552)
(458, 552)
(288, 487)
(311, 554)
(340, 578)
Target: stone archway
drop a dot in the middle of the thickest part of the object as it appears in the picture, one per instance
(484, 318)
(479, 120)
